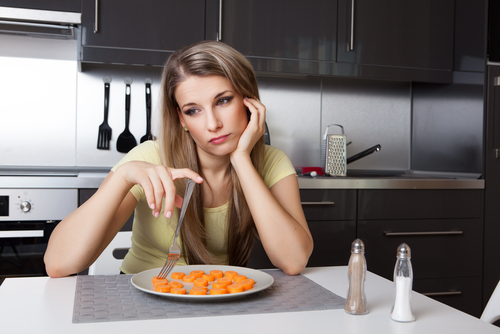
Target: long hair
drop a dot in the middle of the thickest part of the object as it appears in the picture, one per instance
(178, 149)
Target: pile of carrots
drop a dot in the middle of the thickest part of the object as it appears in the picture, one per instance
(216, 282)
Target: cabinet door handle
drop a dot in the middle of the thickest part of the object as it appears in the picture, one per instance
(219, 33)
(96, 19)
(317, 203)
(407, 234)
(442, 293)
(350, 46)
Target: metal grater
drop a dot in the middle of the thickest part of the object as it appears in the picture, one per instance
(334, 152)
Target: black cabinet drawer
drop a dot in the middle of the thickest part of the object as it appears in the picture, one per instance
(419, 204)
(440, 248)
(323, 204)
(462, 293)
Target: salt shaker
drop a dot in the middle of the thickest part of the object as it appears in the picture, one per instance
(356, 298)
(403, 280)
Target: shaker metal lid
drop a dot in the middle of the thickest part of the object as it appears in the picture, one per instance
(404, 251)
(357, 246)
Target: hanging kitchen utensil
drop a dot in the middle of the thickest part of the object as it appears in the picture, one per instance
(148, 135)
(126, 141)
(334, 152)
(104, 129)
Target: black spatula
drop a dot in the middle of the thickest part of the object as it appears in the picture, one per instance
(148, 135)
(126, 141)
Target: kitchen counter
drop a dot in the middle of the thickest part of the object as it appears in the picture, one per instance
(82, 178)
(47, 304)
(394, 180)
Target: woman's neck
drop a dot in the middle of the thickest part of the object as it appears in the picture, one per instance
(217, 188)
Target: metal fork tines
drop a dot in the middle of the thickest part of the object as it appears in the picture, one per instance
(174, 253)
(104, 129)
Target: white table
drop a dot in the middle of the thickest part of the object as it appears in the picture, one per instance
(45, 305)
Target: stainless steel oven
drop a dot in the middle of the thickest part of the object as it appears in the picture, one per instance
(27, 218)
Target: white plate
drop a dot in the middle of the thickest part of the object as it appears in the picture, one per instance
(143, 282)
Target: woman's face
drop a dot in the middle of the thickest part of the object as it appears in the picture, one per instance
(213, 112)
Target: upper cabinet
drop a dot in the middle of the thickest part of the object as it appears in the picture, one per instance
(131, 32)
(280, 35)
(411, 40)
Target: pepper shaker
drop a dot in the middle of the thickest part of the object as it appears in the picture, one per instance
(403, 280)
(356, 298)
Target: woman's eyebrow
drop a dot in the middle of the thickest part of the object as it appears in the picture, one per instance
(221, 93)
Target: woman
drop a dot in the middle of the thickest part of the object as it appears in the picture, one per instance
(212, 131)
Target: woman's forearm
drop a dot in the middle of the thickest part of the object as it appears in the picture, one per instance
(278, 217)
(78, 239)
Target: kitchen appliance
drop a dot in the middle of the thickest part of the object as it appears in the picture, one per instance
(27, 218)
(334, 152)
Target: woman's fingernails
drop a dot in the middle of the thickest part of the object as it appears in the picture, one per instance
(200, 178)
(157, 214)
(152, 206)
(169, 214)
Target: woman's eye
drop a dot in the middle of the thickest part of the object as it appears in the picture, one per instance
(223, 101)
(191, 112)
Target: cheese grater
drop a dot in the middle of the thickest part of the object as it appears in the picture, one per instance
(334, 152)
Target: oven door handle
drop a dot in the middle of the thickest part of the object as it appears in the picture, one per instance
(21, 234)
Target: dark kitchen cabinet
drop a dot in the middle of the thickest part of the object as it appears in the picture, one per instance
(415, 34)
(444, 231)
(396, 40)
(492, 185)
(331, 216)
(131, 32)
(283, 35)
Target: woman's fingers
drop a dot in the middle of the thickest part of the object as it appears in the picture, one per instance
(158, 183)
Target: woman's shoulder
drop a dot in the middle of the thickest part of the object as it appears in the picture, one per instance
(147, 151)
(272, 152)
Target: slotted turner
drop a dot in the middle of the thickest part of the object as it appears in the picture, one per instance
(174, 252)
(104, 129)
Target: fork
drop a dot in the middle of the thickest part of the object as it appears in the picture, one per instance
(174, 253)
(104, 128)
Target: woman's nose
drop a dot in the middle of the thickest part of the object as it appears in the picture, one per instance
(213, 122)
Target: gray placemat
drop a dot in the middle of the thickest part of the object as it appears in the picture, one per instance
(104, 298)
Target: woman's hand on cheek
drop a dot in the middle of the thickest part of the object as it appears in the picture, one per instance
(158, 183)
(255, 129)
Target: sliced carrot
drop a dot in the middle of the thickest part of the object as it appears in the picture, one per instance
(230, 274)
(156, 281)
(177, 275)
(189, 278)
(197, 291)
(235, 288)
(239, 278)
(247, 283)
(176, 284)
(197, 273)
(217, 273)
(218, 291)
(163, 288)
(217, 285)
(225, 280)
(178, 291)
(200, 282)
(209, 278)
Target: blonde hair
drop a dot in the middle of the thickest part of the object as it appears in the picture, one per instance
(178, 149)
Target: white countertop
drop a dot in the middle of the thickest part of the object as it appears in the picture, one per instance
(44, 305)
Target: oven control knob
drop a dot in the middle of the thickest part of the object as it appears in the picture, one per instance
(25, 206)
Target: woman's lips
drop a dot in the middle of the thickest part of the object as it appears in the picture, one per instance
(219, 140)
